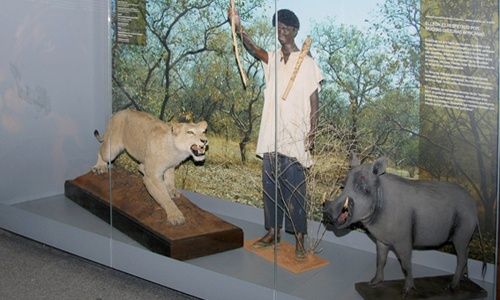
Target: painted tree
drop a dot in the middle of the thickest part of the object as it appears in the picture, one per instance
(151, 77)
(398, 24)
(357, 67)
(244, 106)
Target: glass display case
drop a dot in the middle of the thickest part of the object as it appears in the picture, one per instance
(55, 89)
(147, 136)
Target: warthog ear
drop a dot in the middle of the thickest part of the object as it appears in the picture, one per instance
(354, 160)
(379, 166)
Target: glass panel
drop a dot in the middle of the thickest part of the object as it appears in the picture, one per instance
(298, 86)
(409, 85)
(177, 73)
(54, 93)
(410, 91)
(459, 99)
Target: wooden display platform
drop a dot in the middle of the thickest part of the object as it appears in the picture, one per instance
(286, 257)
(429, 288)
(136, 214)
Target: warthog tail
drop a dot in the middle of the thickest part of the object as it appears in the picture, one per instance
(485, 265)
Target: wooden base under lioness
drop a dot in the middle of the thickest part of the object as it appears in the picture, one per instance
(135, 213)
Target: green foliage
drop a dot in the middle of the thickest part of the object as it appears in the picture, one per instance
(364, 91)
(390, 124)
(398, 24)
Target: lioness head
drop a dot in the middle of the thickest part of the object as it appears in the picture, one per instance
(191, 138)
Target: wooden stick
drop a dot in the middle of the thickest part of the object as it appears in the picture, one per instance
(235, 45)
(303, 52)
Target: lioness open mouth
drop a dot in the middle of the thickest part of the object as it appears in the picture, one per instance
(198, 151)
(346, 212)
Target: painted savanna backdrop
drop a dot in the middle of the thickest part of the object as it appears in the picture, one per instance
(370, 53)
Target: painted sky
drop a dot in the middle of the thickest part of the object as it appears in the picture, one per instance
(352, 12)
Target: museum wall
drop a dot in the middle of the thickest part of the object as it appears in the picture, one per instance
(54, 91)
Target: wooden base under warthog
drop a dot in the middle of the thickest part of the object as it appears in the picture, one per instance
(136, 214)
(434, 287)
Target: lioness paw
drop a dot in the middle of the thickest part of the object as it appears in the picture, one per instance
(176, 218)
(100, 169)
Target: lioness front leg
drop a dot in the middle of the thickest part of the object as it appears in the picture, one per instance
(169, 179)
(158, 190)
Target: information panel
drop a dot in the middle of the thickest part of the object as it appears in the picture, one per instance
(459, 98)
(130, 23)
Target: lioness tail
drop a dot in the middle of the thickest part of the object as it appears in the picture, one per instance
(98, 136)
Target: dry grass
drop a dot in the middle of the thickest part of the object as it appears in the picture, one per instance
(223, 175)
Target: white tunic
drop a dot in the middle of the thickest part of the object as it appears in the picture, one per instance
(294, 121)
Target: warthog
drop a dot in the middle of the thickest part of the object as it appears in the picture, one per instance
(403, 214)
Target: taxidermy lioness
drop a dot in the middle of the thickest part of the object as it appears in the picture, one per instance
(158, 146)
